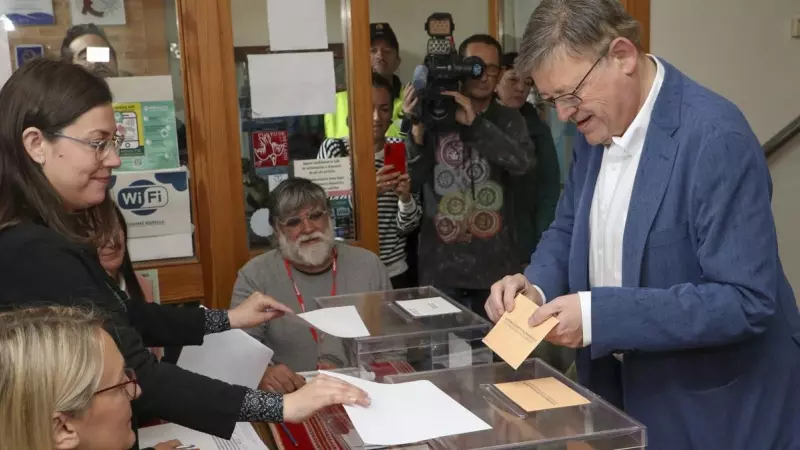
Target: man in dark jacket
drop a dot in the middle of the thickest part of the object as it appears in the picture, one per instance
(468, 232)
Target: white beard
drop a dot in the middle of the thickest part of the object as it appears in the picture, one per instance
(312, 255)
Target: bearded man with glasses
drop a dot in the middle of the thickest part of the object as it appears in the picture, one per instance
(308, 263)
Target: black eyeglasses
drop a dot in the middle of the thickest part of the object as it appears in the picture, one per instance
(315, 217)
(101, 147)
(128, 386)
(571, 99)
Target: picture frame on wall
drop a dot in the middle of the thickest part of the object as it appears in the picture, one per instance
(98, 12)
(27, 52)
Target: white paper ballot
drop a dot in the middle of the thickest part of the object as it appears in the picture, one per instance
(434, 306)
(244, 437)
(408, 412)
(232, 356)
(292, 84)
(340, 321)
(297, 25)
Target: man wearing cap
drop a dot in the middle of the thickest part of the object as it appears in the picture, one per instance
(385, 56)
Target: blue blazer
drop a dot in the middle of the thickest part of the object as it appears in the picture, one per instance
(705, 317)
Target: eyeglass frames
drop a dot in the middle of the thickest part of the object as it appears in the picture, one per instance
(572, 99)
(316, 217)
(129, 385)
(102, 147)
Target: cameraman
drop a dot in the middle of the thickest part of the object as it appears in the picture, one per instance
(467, 237)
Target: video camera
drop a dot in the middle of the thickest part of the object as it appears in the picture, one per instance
(442, 70)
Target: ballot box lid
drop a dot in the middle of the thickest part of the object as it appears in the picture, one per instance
(596, 425)
(387, 314)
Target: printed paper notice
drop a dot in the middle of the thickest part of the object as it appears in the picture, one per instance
(434, 306)
(541, 394)
(292, 84)
(5, 56)
(512, 338)
(297, 25)
(332, 174)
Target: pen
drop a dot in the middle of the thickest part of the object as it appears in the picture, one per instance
(185, 447)
(289, 433)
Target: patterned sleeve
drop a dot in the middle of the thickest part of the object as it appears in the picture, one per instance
(332, 148)
(260, 406)
(217, 321)
(409, 215)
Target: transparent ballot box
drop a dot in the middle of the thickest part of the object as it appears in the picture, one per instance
(402, 341)
(593, 426)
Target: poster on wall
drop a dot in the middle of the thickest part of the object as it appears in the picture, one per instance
(333, 174)
(145, 116)
(270, 148)
(29, 12)
(26, 53)
(98, 12)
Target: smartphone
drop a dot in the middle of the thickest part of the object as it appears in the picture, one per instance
(395, 155)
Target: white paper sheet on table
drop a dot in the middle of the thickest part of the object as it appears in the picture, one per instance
(297, 25)
(232, 356)
(339, 321)
(292, 84)
(433, 306)
(244, 437)
(408, 412)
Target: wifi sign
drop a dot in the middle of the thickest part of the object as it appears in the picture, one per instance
(142, 197)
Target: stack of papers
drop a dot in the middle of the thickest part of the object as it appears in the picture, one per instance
(408, 412)
(423, 307)
(244, 437)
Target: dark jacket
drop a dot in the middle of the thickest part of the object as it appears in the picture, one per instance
(537, 191)
(468, 227)
(39, 266)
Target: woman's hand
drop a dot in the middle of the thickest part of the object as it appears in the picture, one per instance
(322, 391)
(403, 188)
(386, 179)
(257, 309)
(281, 379)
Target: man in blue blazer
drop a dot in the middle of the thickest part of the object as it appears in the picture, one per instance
(662, 263)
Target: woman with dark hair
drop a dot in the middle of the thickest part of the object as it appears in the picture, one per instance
(58, 145)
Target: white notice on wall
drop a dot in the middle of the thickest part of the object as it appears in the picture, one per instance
(297, 25)
(5, 54)
(332, 174)
(292, 84)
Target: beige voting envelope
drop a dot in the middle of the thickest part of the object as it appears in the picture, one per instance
(541, 394)
(512, 338)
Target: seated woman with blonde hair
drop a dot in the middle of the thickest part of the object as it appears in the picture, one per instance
(63, 382)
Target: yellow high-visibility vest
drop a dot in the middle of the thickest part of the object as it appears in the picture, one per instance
(336, 123)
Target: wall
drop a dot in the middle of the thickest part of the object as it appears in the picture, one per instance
(140, 44)
(786, 184)
(742, 49)
(407, 20)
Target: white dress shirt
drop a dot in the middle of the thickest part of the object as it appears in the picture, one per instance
(612, 197)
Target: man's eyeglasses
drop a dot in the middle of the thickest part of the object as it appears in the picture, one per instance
(129, 386)
(571, 99)
(101, 147)
(316, 217)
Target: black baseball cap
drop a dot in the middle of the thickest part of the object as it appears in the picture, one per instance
(383, 31)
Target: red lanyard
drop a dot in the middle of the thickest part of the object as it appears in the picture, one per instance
(300, 296)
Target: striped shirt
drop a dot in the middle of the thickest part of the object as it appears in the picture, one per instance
(395, 219)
